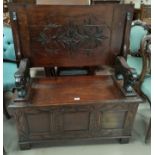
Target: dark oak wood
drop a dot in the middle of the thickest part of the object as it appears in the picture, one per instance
(136, 15)
(72, 88)
(22, 77)
(64, 109)
(51, 71)
(106, 118)
(97, 25)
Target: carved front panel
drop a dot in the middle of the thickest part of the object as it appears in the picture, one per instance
(47, 123)
(51, 123)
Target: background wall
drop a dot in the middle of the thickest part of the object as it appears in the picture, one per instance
(138, 2)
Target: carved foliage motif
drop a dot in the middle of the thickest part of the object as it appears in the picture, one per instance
(85, 36)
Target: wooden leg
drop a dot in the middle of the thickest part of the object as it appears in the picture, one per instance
(148, 133)
(124, 140)
(25, 146)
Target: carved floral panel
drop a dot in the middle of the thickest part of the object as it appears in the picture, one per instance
(73, 36)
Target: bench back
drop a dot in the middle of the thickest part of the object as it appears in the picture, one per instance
(70, 36)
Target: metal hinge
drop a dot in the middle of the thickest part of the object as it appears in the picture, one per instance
(14, 16)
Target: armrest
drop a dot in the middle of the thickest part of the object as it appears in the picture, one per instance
(123, 71)
(22, 77)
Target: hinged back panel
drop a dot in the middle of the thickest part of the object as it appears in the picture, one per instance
(70, 35)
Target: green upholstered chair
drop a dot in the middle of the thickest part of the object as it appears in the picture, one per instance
(138, 31)
(9, 62)
(145, 78)
(146, 88)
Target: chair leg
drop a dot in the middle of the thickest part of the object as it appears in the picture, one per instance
(148, 133)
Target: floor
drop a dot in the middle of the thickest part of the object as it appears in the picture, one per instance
(136, 146)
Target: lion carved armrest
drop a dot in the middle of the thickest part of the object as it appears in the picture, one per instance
(22, 78)
(124, 72)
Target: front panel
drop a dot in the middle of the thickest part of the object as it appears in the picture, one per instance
(87, 121)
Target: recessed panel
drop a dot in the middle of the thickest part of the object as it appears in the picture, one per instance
(113, 119)
(76, 121)
(39, 123)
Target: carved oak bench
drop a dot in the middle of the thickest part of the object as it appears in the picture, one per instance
(72, 108)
